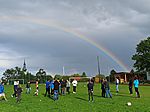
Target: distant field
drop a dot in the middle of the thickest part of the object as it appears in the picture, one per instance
(78, 102)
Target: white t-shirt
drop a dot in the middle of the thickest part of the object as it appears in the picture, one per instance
(117, 81)
(74, 83)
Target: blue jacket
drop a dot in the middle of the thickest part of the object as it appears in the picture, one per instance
(1, 89)
(136, 83)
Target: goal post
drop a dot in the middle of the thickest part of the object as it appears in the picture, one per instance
(11, 81)
(80, 79)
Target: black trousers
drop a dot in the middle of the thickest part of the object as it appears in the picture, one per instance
(47, 91)
(74, 88)
(130, 89)
(90, 92)
(137, 92)
(68, 90)
(103, 92)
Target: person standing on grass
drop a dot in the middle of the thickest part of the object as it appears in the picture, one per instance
(90, 89)
(117, 85)
(47, 84)
(19, 91)
(28, 87)
(103, 88)
(56, 88)
(130, 86)
(136, 85)
(107, 88)
(68, 86)
(2, 94)
(74, 83)
(63, 87)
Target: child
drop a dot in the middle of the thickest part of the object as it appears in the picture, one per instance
(19, 91)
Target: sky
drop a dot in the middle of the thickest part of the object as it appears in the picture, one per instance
(52, 34)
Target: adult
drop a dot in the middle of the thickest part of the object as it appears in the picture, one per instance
(16, 83)
(2, 94)
(74, 83)
(136, 86)
(130, 86)
(56, 88)
(28, 87)
(47, 84)
(117, 85)
(68, 86)
(103, 88)
(90, 89)
(63, 87)
(107, 88)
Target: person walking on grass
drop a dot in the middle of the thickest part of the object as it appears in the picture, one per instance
(16, 83)
(130, 87)
(136, 86)
(90, 89)
(74, 83)
(19, 91)
(107, 89)
(2, 94)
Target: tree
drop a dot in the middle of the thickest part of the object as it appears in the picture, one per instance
(41, 74)
(112, 75)
(83, 74)
(142, 56)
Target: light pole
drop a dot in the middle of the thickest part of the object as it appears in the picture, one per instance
(98, 67)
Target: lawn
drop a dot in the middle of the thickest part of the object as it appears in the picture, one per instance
(78, 102)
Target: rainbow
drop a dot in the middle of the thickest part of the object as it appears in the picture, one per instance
(57, 25)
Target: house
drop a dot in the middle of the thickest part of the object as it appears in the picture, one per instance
(124, 76)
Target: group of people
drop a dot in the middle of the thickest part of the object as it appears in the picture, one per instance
(56, 87)
(106, 89)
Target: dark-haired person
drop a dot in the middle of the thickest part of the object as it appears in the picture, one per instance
(136, 86)
(56, 88)
(130, 86)
(103, 88)
(47, 84)
(2, 94)
(107, 88)
(90, 89)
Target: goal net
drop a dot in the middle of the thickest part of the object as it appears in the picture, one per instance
(11, 81)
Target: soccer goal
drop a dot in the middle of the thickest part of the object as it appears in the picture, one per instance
(80, 79)
(11, 81)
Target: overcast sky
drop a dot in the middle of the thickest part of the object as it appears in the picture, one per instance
(39, 31)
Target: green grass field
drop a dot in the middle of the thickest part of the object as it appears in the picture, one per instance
(78, 102)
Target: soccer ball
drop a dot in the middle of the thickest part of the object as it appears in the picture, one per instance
(129, 104)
